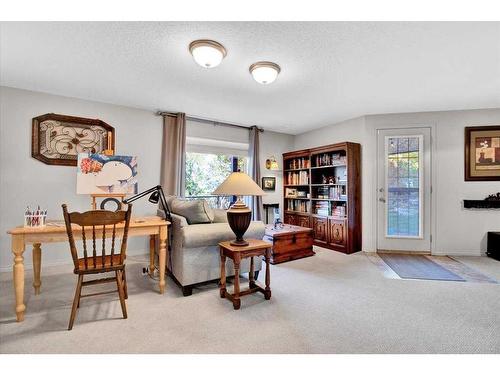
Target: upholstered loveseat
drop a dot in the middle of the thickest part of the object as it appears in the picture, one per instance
(196, 231)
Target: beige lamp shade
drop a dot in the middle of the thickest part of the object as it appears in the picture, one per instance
(239, 183)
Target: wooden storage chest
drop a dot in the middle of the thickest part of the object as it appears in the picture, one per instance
(289, 243)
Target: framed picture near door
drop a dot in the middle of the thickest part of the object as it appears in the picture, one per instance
(482, 153)
(269, 183)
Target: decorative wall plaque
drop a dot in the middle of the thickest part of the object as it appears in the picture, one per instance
(58, 139)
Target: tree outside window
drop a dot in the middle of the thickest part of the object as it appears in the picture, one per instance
(205, 172)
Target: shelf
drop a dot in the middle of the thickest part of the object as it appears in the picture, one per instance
(328, 184)
(297, 169)
(304, 198)
(329, 217)
(329, 199)
(296, 185)
(481, 204)
(296, 212)
(329, 166)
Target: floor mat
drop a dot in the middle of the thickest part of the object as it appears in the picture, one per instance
(418, 267)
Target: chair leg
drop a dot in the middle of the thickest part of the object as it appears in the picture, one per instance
(76, 302)
(125, 284)
(119, 283)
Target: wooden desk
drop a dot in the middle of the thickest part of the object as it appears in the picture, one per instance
(152, 226)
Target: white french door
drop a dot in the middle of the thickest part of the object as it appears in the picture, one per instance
(404, 189)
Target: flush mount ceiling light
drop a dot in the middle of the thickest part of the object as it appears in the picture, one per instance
(264, 72)
(207, 53)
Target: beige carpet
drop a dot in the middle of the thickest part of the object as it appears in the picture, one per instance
(329, 303)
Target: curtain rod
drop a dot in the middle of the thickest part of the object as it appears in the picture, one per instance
(207, 121)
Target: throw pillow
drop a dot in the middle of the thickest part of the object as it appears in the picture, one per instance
(195, 211)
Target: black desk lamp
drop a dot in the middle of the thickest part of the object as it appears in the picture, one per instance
(156, 196)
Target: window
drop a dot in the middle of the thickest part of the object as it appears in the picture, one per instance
(212, 153)
(404, 177)
(204, 172)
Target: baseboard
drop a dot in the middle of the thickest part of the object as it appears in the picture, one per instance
(405, 252)
(477, 253)
(436, 253)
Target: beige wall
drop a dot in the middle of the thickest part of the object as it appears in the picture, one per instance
(25, 180)
(274, 144)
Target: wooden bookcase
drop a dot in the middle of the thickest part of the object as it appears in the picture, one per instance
(322, 191)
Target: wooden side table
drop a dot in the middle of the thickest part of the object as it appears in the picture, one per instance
(237, 253)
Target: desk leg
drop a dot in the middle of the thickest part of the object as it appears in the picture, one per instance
(18, 269)
(236, 293)
(152, 248)
(163, 257)
(37, 262)
(267, 294)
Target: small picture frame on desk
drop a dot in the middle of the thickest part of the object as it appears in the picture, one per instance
(269, 183)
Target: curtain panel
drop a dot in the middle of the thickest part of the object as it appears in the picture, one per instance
(173, 160)
(254, 171)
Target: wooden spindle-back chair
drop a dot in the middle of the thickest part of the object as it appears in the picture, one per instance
(106, 224)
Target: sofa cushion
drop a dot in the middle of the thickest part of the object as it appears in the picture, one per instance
(211, 234)
(169, 199)
(195, 211)
(220, 215)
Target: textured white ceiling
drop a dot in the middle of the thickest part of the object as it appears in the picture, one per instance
(331, 71)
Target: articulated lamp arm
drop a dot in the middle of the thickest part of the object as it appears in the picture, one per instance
(161, 197)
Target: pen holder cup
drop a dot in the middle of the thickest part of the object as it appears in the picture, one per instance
(33, 221)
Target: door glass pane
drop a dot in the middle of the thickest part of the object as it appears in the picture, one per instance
(403, 186)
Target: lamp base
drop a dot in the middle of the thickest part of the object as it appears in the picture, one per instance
(241, 242)
(238, 218)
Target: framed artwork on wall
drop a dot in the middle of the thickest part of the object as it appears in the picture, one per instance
(58, 139)
(482, 153)
(269, 183)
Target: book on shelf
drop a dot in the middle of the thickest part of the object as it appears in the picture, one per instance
(299, 163)
(331, 192)
(339, 160)
(339, 211)
(297, 178)
(296, 205)
(322, 208)
(324, 160)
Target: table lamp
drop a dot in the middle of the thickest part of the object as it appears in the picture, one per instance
(239, 214)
